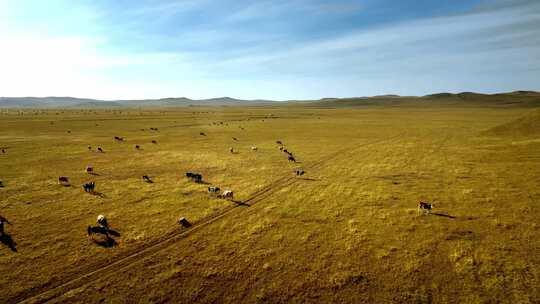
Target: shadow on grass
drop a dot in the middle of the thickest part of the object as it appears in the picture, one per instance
(8, 241)
(309, 179)
(444, 215)
(99, 194)
(108, 242)
(239, 203)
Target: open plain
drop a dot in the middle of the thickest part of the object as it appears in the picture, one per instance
(346, 231)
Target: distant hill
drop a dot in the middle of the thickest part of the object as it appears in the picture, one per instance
(527, 126)
(464, 99)
(70, 102)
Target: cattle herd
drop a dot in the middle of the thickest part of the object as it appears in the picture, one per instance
(103, 225)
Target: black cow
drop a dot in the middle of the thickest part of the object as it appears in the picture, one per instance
(100, 150)
(279, 142)
(89, 148)
(137, 147)
(202, 134)
(89, 187)
(194, 177)
(300, 172)
(214, 189)
(291, 159)
(118, 138)
(154, 142)
(3, 221)
(146, 178)
(1, 184)
(63, 180)
(426, 207)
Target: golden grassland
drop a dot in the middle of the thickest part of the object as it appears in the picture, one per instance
(348, 231)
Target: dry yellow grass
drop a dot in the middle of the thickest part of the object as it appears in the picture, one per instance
(348, 231)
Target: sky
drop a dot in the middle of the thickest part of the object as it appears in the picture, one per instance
(267, 49)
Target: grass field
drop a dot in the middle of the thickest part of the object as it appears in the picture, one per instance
(348, 231)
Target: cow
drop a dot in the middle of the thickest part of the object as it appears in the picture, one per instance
(118, 138)
(214, 189)
(1, 184)
(300, 172)
(63, 180)
(3, 221)
(102, 220)
(281, 148)
(146, 178)
(231, 150)
(194, 177)
(426, 207)
(202, 134)
(137, 147)
(234, 138)
(89, 169)
(89, 148)
(254, 148)
(279, 142)
(100, 150)
(184, 222)
(285, 150)
(154, 141)
(227, 194)
(89, 187)
(97, 229)
(291, 159)
(3, 151)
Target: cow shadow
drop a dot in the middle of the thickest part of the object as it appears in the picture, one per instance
(98, 194)
(8, 241)
(309, 179)
(444, 215)
(240, 203)
(108, 242)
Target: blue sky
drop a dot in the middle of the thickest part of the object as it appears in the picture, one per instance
(295, 49)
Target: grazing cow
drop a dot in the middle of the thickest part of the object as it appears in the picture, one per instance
(231, 150)
(234, 138)
(279, 142)
(137, 147)
(118, 138)
(300, 172)
(426, 207)
(100, 150)
(253, 148)
(146, 178)
(69, 132)
(3, 151)
(89, 187)
(281, 148)
(184, 222)
(89, 169)
(62, 180)
(214, 189)
(3, 221)
(202, 134)
(154, 142)
(228, 194)
(102, 220)
(291, 159)
(97, 229)
(285, 150)
(194, 177)
(89, 148)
